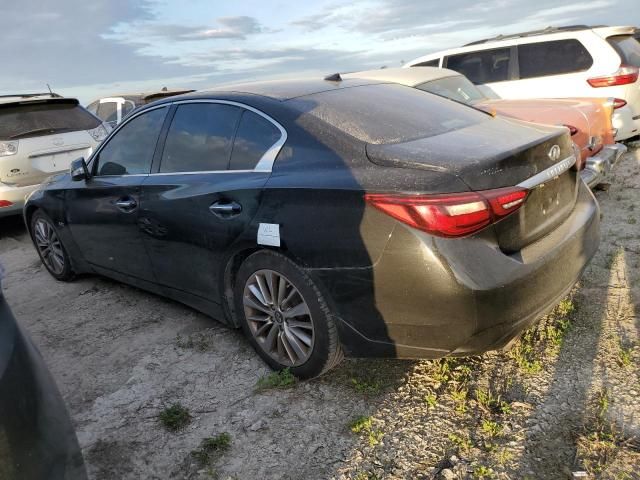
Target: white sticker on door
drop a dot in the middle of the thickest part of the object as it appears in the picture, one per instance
(269, 234)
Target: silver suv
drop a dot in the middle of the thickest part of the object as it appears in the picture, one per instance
(40, 134)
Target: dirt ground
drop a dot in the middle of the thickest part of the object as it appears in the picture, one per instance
(565, 399)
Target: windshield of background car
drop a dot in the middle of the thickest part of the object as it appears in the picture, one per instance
(627, 47)
(456, 88)
(387, 113)
(27, 120)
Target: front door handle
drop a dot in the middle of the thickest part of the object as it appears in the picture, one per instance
(126, 204)
(225, 208)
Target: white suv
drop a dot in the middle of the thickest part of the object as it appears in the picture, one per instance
(576, 61)
(40, 135)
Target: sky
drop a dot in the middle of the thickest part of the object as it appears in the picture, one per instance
(95, 48)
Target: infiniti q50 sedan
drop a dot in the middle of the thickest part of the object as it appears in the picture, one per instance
(329, 218)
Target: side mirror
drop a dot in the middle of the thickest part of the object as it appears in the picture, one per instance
(79, 170)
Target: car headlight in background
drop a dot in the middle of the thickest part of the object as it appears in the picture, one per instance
(8, 148)
(99, 133)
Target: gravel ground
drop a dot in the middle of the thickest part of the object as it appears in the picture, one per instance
(565, 399)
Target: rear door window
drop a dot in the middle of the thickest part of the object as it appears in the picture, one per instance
(255, 136)
(553, 58)
(627, 47)
(200, 138)
(39, 119)
(131, 149)
(485, 66)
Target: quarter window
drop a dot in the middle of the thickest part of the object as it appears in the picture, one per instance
(553, 58)
(485, 66)
(131, 149)
(200, 138)
(255, 136)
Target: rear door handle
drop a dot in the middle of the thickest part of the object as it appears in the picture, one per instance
(225, 208)
(126, 204)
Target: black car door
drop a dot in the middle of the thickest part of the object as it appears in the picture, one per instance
(204, 191)
(102, 212)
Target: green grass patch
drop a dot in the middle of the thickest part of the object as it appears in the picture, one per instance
(175, 417)
(281, 379)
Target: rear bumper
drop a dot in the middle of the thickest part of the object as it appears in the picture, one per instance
(429, 297)
(599, 165)
(15, 195)
(626, 123)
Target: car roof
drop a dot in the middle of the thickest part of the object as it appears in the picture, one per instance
(405, 76)
(287, 89)
(27, 97)
(500, 41)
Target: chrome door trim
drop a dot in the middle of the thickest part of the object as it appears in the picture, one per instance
(548, 174)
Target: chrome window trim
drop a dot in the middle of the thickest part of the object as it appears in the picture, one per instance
(548, 174)
(264, 165)
(106, 141)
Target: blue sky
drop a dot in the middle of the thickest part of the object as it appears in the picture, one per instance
(96, 48)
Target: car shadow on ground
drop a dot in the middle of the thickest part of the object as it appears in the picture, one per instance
(12, 226)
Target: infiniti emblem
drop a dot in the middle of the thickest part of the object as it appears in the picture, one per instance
(58, 141)
(554, 153)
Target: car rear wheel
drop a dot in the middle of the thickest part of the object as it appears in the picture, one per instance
(285, 316)
(50, 248)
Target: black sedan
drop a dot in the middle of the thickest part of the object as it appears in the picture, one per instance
(329, 217)
(37, 439)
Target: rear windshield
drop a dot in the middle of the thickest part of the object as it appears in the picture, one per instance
(388, 113)
(32, 120)
(627, 47)
(457, 88)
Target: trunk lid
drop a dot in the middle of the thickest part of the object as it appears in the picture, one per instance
(39, 157)
(496, 154)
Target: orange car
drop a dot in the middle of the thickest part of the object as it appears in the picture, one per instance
(588, 119)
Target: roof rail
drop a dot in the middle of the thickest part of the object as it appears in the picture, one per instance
(29, 95)
(544, 31)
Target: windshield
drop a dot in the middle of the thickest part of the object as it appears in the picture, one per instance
(457, 88)
(627, 47)
(387, 113)
(30, 120)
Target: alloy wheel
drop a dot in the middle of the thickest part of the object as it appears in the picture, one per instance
(278, 317)
(49, 246)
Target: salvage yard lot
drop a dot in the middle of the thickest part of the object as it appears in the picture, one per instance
(566, 398)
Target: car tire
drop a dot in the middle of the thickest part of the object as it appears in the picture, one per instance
(49, 246)
(306, 338)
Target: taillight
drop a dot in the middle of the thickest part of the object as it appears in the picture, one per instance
(573, 130)
(625, 75)
(450, 215)
(5, 203)
(618, 103)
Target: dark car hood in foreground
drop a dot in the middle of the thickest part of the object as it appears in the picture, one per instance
(492, 154)
(37, 439)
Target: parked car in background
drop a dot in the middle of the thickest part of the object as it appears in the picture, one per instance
(574, 61)
(38, 441)
(329, 217)
(40, 134)
(589, 119)
(115, 108)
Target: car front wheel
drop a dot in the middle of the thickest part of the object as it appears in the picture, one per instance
(285, 316)
(50, 248)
